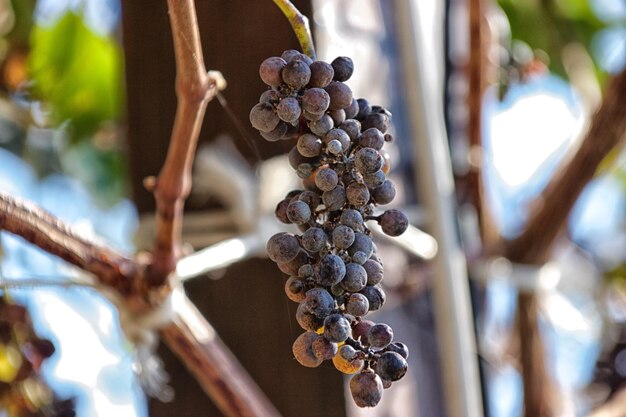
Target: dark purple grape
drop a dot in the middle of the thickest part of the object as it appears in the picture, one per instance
(326, 179)
(359, 257)
(336, 328)
(312, 199)
(352, 110)
(347, 352)
(366, 389)
(277, 134)
(291, 267)
(295, 158)
(368, 160)
(306, 319)
(290, 54)
(322, 126)
(309, 145)
(283, 247)
(324, 349)
(304, 170)
(319, 302)
(263, 117)
(352, 128)
(374, 180)
(332, 270)
(374, 270)
(335, 198)
(357, 305)
(312, 117)
(314, 239)
(306, 271)
(353, 219)
(296, 73)
(334, 147)
(362, 243)
(303, 350)
(298, 212)
(340, 95)
(364, 109)
(343, 237)
(270, 70)
(372, 138)
(357, 194)
(385, 193)
(270, 96)
(391, 366)
(340, 135)
(281, 211)
(361, 329)
(338, 116)
(380, 335)
(288, 110)
(315, 100)
(355, 278)
(393, 222)
(379, 121)
(375, 295)
(399, 348)
(295, 289)
(321, 74)
(344, 67)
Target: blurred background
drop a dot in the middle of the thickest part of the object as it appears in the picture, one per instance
(86, 108)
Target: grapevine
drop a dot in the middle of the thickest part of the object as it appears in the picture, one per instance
(334, 271)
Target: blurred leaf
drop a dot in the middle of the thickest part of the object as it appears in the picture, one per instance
(23, 10)
(78, 73)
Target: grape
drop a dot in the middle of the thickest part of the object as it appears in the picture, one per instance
(358, 195)
(296, 73)
(374, 272)
(347, 366)
(343, 67)
(361, 330)
(326, 179)
(313, 117)
(324, 349)
(385, 193)
(312, 199)
(277, 134)
(352, 128)
(391, 366)
(314, 239)
(343, 237)
(309, 145)
(306, 271)
(291, 267)
(304, 170)
(340, 95)
(282, 247)
(347, 352)
(338, 116)
(303, 350)
(386, 384)
(295, 158)
(380, 335)
(337, 290)
(315, 100)
(394, 222)
(319, 302)
(281, 211)
(298, 212)
(336, 328)
(290, 54)
(374, 180)
(359, 258)
(353, 219)
(332, 270)
(288, 109)
(364, 109)
(321, 74)
(270, 70)
(335, 198)
(322, 126)
(372, 138)
(362, 243)
(368, 160)
(306, 319)
(334, 147)
(270, 96)
(339, 135)
(375, 295)
(366, 389)
(352, 110)
(295, 289)
(357, 305)
(399, 348)
(377, 120)
(355, 278)
(263, 118)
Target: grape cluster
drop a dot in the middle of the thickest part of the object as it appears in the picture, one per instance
(335, 273)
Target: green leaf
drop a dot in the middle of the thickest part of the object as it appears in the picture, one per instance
(77, 72)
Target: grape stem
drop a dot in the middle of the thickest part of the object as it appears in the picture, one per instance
(300, 25)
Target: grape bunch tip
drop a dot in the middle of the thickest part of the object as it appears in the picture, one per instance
(334, 272)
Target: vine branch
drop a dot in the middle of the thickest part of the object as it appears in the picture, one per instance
(194, 89)
(300, 25)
